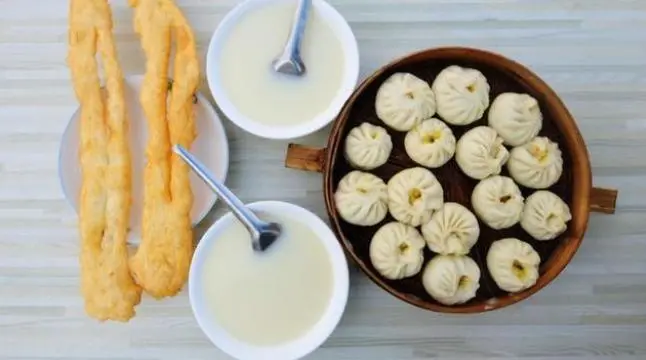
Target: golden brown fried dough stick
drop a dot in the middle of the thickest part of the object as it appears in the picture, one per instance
(162, 261)
(107, 286)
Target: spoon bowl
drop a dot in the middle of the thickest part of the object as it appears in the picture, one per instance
(290, 62)
(269, 232)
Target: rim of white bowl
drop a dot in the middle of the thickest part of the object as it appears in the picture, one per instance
(296, 348)
(224, 148)
(350, 77)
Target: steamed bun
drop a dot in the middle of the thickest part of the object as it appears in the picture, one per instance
(452, 230)
(368, 146)
(414, 195)
(403, 101)
(498, 202)
(396, 251)
(431, 143)
(513, 264)
(361, 199)
(451, 279)
(517, 118)
(537, 164)
(480, 153)
(545, 215)
(462, 95)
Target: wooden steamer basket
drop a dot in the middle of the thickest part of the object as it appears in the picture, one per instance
(574, 186)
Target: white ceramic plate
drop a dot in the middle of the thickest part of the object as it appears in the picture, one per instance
(210, 146)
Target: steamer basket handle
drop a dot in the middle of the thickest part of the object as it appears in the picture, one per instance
(603, 200)
(303, 157)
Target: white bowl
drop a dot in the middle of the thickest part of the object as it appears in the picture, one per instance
(210, 146)
(350, 76)
(296, 348)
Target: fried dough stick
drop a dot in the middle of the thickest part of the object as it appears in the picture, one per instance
(109, 291)
(162, 261)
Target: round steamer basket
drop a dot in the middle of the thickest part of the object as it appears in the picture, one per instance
(504, 75)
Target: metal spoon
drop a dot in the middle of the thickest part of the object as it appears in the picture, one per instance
(263, 233)
(289, 61)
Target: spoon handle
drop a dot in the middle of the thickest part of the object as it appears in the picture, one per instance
(293, 45)
(246, 216)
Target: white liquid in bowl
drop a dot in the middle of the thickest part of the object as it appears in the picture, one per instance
(268, 298)
(256, 90)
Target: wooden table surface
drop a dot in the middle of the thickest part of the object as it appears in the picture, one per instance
(593, 52)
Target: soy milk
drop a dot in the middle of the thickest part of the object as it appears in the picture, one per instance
(269, 98)
(273, 297)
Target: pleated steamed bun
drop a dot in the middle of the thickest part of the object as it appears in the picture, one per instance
(396, 251)
(461, 94)
(451, 279)
(513, 264)
(480, 153)
(537, 164)
(517, 118)
(431, 143)
(414, 195)
(368, 146)
(361, 198)
(545, 215)
(403, 101)
(498, 202)
(452, 230)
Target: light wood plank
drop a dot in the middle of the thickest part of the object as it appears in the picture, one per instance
(592, 52)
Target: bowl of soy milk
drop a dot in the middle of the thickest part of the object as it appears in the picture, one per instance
(279, 106)
(282, 303)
